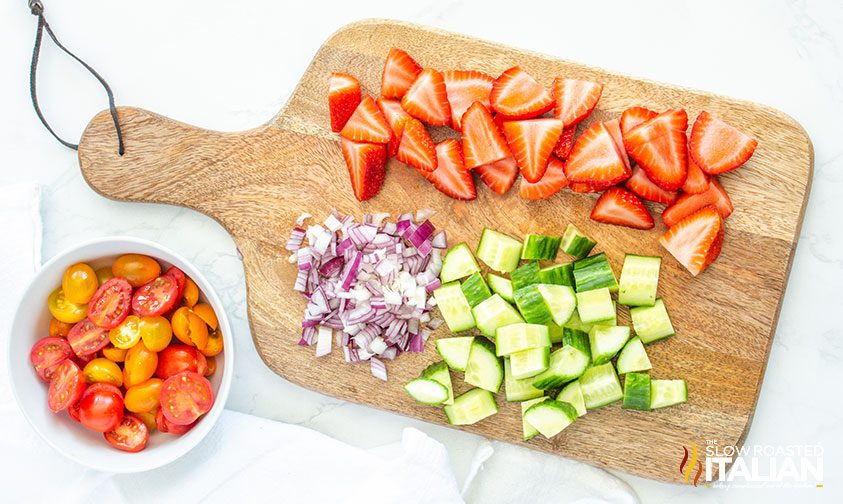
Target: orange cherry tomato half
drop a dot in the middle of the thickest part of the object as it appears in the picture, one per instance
(127, 334)
(144, 397)
(86, 338)
(139, 366)
(206, 313)
(148, 418)
(211, 367)
(137, 269)
(177, 358)
(191, 292)
(111, 303)
(131, 435)
(179, 276)
(66, 386)
(104, 275)
(155, 297)
(113, 353)
(59, 328)
(189, 328)
(102, 370)
(214, 345)
(79, 283)
(163, 425)
(62, 309)
(101, 407)
(47, 354)
(185, 397)
(155, 332)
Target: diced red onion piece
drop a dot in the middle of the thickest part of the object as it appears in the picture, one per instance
(422, 233)
(303, 217)
(424, 214)
(439, 240)
(378, 368)
(416, 343)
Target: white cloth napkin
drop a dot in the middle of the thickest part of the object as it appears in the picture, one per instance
(251, 459)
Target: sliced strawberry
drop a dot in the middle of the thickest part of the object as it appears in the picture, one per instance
(574, 99)
(595, 159)
(367, 166)
(343, 98)
(614, 127)
(660, 147)
(718, 147)
(399, 72)
(395, 116)
(689, 203)
(644, 188)
(464, 88)
(622, 208)
(427, 99)
(566, 143)
(584, 187)
(551, 182)
(696, 181)
(634, 116)
(450, 176)
(517, 95)
(696, 240)
(416, 148)
(367, 124)
(531, 142)
(499, 175)
(482, 141)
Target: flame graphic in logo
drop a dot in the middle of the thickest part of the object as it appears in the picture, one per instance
(686, 467)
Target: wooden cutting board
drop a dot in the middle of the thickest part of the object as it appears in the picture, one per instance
(256, 182)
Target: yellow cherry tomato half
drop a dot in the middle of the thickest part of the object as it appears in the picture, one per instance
(143, 397)
(139, 365)
(127, 334)
(79, 283)
(191, 292)
(59, 328)
(210, 366)
(155, 332)
(148, 418)
(214, 344)
(114, 354)
(189, 328)
(136, 268)
(65, 310)
(206, 313)
(104, 274)
(102, 370)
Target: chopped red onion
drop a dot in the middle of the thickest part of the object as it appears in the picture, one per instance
(323, 341)
(303, 217)
(296, 239)
(331, 267)
(422, 233)
(378, 368)
(303, 256)
(439, 240)
(416, 343)
(424, 214)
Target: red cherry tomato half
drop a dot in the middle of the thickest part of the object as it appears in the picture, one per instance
(185, 397)
(110, 303)
(73, 411)
(47, 354)
(130, 434)
(86, 338)
(177, 358)
(101, 407)
(156, 297)
(66, 386)
(180, 278)
(163, 425)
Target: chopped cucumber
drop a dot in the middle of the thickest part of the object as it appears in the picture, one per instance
(538, 246)
(529, 431)
(665, 393)
(639, 280)
(572, 394)
(455, 351)
(426, 391)
(501, 286)
(532, 305)
(475, 289)
(606, 341)
(558, 274)
(458, 263)
(651, 323)
(499, 251)
(633, 357)
(575, 243)
(577, 339)
(439, 372)
(560, 300)
(595, 305)
(524, 275)
(484, 368)
(636, 391)
(493, 313)
(518, 390)
(529, 363)
(550, 417)
(454, 307)
(566, 364)
(471, 407)
(594, 272)
(600, 386)
(554, 332)
(521, 336)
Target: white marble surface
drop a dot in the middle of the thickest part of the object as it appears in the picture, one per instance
(231, 65)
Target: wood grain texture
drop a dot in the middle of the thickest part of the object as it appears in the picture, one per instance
(255, 183)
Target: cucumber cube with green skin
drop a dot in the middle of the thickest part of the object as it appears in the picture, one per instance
(475, 289)
(606, 341)
(636, 391)
(458, 263)
(665, 393)
(561, 301)
(518, 389)
(426, 391)
(532, 305)
(595, 305)
(541, 247)
(484, 368)
(439, 372)
(529, 363)
(524, 275)
(594, 272)
(558, 274)
(500, 252)
(550, 417)
(577, 339)
(471, 407)
(600, 386)
(566, 364)
(575, 243)
(572, 394)
(633, 357)
(455, 351)
(493, 313)
(529, 431)
(501, 286)
(639, 280)
(520, 336)
(651, 323)
(454, 307)
(555, 332)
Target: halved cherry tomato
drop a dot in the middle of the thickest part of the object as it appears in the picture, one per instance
(104, 275)
(206, 313)
(79, 283)
(185, 397)
(131, 435)
(189, 328)
(139, 366)
(191, 292)
(164, 425)
(73, 411)
(102, 370)
(101, 407)
(127, 334)
(47, 354)
(177, 358)
(63, 309)
(86, 338)
(214, 345)
(111, 303)
(211, 366)
(83, 360)
(113, 353)
(144, 396)
(155, 297)
(66, 386)
(179, 276)
(136, 268)
(59, 328)
(148, 419)
(155, 332)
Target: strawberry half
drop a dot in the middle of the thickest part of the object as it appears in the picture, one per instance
(416, 148)
(517, 95)
(595, 159)
(367, 124)
(644, 188)
(718, 147)
(343, 98)
(614, 127)
(531, 142)
(427, 99)
(482, 141)
(687, 204)
(464, 88)
(551, 182)
(622, 208)
(399, 72)
(634, 116)
(574, 99)
(499, 175)
(366, 165)
(566, 143)
(584, 187)
(395, 116)
(696, 240)
(660, 147)
(450, 175)
(696, 181)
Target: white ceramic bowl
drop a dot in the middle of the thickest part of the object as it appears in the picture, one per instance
(71, 439)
